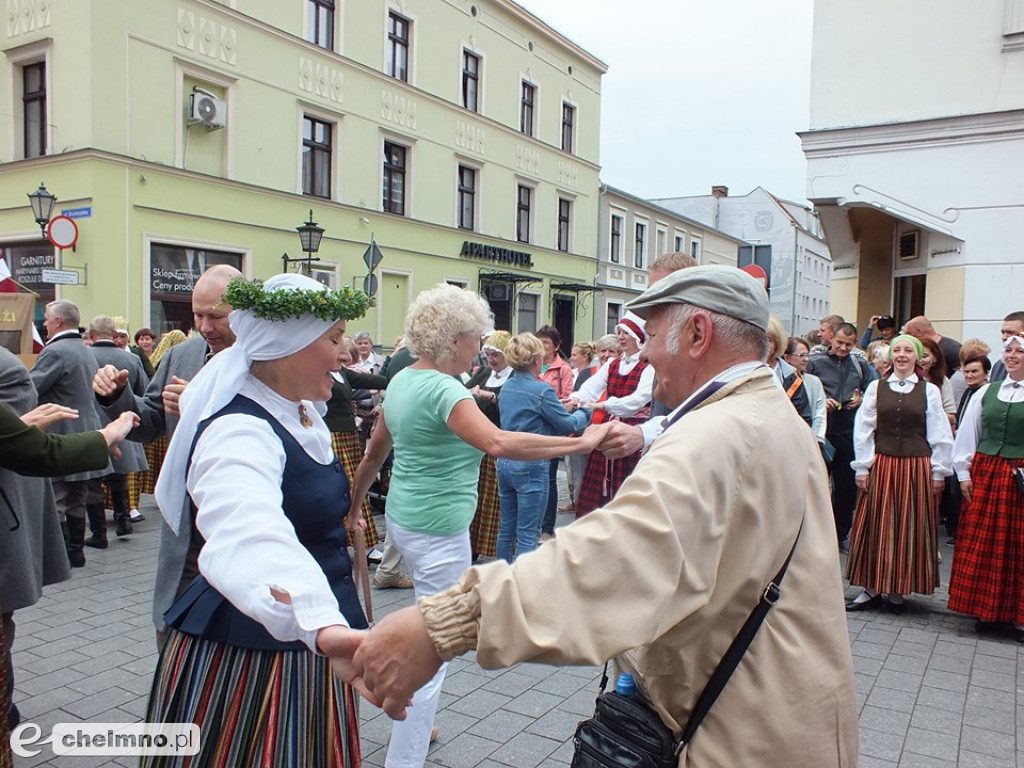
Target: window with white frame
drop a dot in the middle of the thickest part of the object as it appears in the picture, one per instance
(397, 63)
(395, 170)
(471, 81)
(467, 197)
(564, 223)
(679, 246)
(527, 94)
(695, 250)
(320, 23)
(640, 245)
(33, 99)
(615, 241)
(568, 126)
(661, 239)
(526, 312)
(524, 206)
(614, 314)
(316, 157)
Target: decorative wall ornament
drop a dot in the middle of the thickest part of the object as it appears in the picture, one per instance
(27, 16)
(398, 109)
(469, 137)
(568, 175)
(206, 36)
(527, 158)
(321, 80)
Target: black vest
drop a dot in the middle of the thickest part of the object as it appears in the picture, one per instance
(315, 500)
(902, 428)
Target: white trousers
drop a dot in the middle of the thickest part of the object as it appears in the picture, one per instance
(435, 564)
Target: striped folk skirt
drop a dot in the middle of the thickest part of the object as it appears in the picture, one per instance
(155, 452)
(988, 562)
(254, 708)
(349, 451)
(894, 541)
(483, 531)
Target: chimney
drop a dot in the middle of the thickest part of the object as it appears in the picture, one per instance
(719, 191)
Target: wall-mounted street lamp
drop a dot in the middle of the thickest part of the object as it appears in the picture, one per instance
(42, 202)
(310, 235)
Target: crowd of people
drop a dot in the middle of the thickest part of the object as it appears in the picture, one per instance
(264, 434)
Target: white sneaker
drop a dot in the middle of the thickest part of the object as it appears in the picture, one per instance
(374, 556)
(135, 516)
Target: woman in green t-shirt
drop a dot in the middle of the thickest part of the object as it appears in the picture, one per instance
(439, 436)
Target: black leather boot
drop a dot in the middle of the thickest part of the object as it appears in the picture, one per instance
(98, 525)
(75, 541)
(119, 497)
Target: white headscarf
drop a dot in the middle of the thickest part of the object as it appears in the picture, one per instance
(221, 379)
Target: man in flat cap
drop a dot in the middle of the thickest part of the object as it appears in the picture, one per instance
(663, 577)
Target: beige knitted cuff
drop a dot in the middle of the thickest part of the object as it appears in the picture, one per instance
(452, 619)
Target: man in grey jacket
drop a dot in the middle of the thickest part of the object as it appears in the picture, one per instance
(158, 411)
(61, 375)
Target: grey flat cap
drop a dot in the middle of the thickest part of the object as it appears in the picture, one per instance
(727, 290)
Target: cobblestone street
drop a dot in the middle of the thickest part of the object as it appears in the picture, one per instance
(931, 692)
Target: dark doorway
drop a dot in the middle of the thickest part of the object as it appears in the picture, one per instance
(563, 317)
(909, 297)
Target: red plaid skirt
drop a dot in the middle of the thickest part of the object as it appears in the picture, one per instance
(349, 450)
(483, 531)
(988, 562)
(134, 488)
(894, 540)
(602, 479)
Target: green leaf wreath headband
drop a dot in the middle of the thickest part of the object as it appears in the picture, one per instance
(250, 296)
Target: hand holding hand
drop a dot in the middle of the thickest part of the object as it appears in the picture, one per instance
(967, 489)
(340, 644)
(109, 381)
(621, 440)
(592, 437)
(172, 396)
(395, 659)
(938, 486)
(41, 417)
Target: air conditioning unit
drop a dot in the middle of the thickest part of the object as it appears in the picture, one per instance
(207, 109)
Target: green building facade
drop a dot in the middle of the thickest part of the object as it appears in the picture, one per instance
(460, 137)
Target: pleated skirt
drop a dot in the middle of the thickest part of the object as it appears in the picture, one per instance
(988, 562)
(483, 531)
(602, 479)
(894, 541)
(155, 452)
(266, 709)
(349, 451)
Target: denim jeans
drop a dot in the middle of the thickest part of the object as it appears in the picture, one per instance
(523, 493)
(551, 508)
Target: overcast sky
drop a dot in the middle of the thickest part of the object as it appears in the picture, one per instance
(698, 92)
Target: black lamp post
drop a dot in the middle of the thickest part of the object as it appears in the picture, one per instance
(42, 203)
(310, 235)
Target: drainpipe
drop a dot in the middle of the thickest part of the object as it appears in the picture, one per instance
(796, 241)
(597, 258)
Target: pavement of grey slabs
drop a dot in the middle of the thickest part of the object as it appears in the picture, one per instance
(930, 691)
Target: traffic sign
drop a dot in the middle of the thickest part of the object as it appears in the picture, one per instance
(59, 276)
(373, 256)
(370, 285)
(62, 231)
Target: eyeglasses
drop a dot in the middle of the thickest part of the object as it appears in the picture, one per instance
(799, 354)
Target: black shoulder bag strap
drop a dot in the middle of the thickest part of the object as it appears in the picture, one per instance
(739, 646)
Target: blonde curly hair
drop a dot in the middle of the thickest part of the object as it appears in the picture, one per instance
(440, 315)
(523, 350)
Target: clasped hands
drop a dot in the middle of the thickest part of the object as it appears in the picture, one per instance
(386, 664)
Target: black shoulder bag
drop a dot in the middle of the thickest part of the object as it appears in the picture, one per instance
(626, 733)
